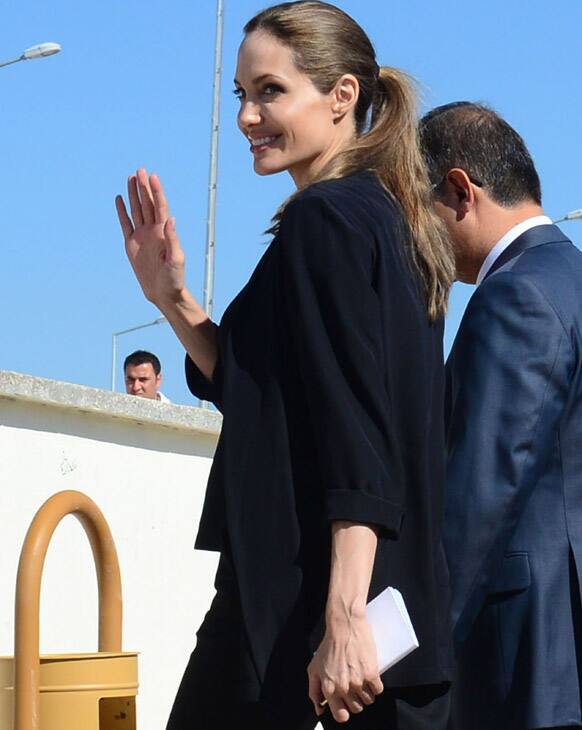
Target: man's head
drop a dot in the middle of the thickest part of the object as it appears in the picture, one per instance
(484, 179)
(143, 374)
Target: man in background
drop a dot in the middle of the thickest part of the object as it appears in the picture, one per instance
(513, 527)
(143, 375)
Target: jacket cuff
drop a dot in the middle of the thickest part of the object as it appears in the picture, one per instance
(199, 385)
(355, 506)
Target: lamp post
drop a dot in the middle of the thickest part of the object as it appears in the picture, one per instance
(115, 335)
(208, 293)
(573, 215)
(40, 51)
(208, 298)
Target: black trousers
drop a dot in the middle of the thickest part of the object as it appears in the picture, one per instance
(220, 689)
(207, 700)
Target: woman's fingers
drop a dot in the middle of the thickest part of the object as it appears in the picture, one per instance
(315, 693)
(366, 696)
(147, 201)
(338, 709)
(353, 703)
(134, 201)
(375, 684)
(173, 242)
(146, 197)
(124, 219)
(339, 701)
(367, 692)
(344, 702)
(160, 203)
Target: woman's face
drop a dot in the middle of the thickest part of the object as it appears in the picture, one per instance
(290, 124)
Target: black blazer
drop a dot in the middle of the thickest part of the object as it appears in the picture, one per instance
(331, 382)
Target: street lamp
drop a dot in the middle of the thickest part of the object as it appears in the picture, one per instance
(208, 294)
(40, 51)
(115, 335)
(574, 215)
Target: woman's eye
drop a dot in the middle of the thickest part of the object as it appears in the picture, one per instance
(268, 91)
(271, 90)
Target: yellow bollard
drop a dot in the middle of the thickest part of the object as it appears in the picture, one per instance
(68, 691)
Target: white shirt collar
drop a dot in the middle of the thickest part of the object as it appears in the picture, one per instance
(509, 237)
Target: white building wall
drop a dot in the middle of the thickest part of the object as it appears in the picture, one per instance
(146, 466)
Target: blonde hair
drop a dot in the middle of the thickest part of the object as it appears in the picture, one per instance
(326, 44)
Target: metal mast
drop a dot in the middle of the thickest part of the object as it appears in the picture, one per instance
(208, 300)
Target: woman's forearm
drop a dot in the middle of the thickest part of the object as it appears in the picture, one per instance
(194, 329)
(353, 548)
(344, 669)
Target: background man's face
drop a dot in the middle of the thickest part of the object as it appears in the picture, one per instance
(142, 380)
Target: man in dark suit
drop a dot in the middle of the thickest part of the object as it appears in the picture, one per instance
(513, 530)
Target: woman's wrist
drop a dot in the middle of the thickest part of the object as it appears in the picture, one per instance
(182, 305)
(352, 559)
(173, 299)
(341, 611)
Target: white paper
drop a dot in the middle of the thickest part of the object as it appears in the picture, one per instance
(392, 628)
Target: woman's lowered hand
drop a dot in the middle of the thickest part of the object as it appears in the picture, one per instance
(344, 669)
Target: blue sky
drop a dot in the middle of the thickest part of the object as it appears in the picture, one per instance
(133, 87)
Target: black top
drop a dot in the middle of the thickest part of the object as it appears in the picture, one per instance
(330, 379)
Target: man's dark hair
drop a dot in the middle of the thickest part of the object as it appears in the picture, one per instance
(477, 140)
(140, 357)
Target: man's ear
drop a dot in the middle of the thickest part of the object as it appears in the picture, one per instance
(344, 96)
(456, 192)
(460, 186)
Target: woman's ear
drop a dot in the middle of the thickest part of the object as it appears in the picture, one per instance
(345, 95)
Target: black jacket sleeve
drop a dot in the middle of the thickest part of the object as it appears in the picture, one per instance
(200, 386)
(334, 333)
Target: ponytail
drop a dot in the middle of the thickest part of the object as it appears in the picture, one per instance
(392, 148)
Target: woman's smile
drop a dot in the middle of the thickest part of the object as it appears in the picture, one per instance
(263, 142)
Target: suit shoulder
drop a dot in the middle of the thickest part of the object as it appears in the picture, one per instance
(514, 290)
(546, 262)
(556, 271)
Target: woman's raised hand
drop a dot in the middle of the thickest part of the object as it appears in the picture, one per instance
(157, 259)
(151, 243)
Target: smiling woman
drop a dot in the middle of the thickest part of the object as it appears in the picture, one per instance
(290, 124)
(327, 484)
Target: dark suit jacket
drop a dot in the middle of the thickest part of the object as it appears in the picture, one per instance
(331, 381)
(514, 505)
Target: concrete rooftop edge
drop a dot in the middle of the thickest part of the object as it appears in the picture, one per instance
(18, 386)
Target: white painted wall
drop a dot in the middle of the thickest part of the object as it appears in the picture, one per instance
(146, 466)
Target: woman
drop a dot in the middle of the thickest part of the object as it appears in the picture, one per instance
(327, 482)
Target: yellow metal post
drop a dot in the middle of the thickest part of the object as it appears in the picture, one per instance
(110, 677)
